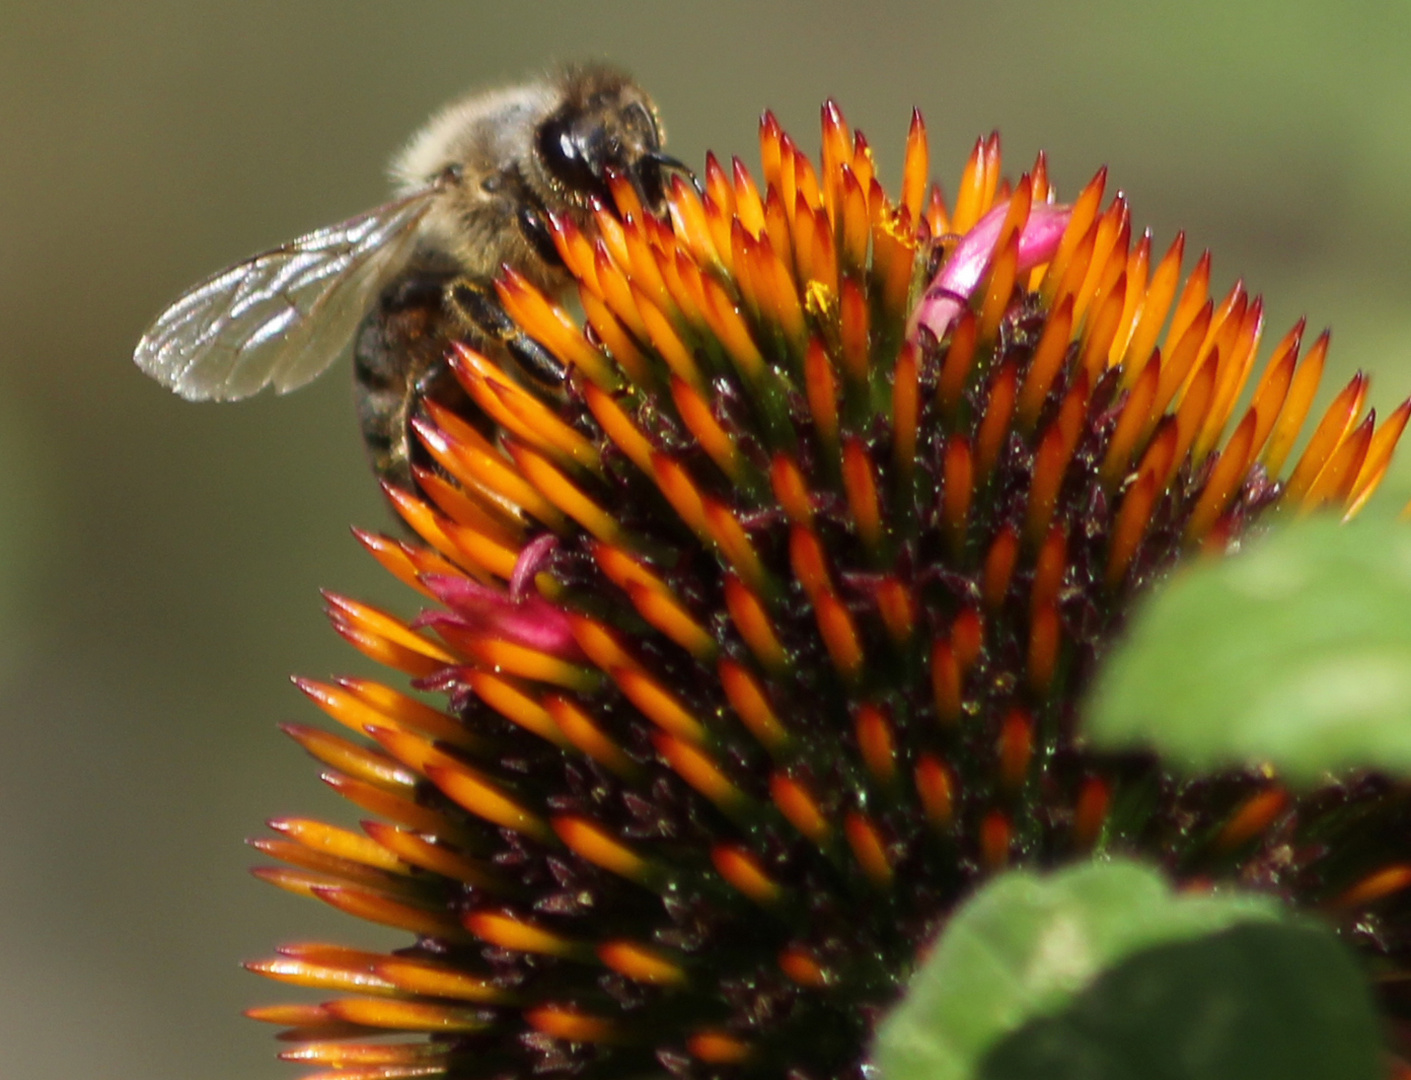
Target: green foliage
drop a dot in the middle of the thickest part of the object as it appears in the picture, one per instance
(1102, 972)
(1296, 653)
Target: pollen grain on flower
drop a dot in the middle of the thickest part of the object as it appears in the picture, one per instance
(759, 643)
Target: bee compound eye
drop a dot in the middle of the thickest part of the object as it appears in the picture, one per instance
(573, 151)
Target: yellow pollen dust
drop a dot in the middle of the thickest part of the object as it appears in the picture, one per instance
(820, 301)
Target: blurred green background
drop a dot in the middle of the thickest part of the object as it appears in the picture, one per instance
(160, 561)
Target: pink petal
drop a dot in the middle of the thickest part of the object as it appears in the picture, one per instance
(530, 620)
(532, 559)
(952, 289)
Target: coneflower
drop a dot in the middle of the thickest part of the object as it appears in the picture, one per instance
(762, 640)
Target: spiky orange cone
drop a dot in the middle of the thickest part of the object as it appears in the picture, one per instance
(762, 637)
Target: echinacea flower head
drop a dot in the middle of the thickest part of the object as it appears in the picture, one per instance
(759, 642)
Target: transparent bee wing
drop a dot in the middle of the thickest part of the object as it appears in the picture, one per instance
(283, 316)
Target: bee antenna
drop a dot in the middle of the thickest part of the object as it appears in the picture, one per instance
(675, 165)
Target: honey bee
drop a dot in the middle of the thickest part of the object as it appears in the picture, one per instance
(402, 282)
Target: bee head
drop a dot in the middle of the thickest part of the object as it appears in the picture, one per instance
(604, 122)
(501, 163)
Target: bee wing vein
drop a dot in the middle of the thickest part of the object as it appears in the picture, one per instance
(284, 315)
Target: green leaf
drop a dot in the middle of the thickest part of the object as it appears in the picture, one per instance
(1102, 972)
(1296, 653)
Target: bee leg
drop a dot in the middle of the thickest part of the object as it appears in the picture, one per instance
(397, 341)
(535, 229)
(399, 363)
(475, 302)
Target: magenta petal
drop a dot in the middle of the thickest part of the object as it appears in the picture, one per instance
(1041, 234)
(464, 594)
(952, 288)
(530, 621)
(531, 560)
(967, 265)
